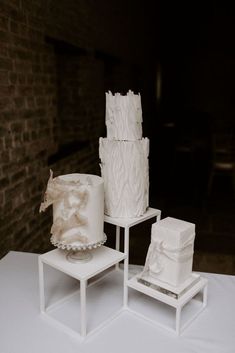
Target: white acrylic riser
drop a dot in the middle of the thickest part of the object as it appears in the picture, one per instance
(102, 259)
(178, 304)
(127, 223)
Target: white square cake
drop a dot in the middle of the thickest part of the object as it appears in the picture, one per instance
(170, 255)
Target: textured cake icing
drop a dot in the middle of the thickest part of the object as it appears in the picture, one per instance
(78, 208)
(124, 157)
(124, 167)
(170, 254)
(123, 116)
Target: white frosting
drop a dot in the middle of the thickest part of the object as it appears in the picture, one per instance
(78, 208)
(125, 170)
(170, 254)
(173, 231)
(123, 116)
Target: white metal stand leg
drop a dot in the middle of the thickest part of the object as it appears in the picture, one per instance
(126, 266)
(83, 285)
(177, 320)
(117, 238)
(205, 292)
(41, 285)
(117, 242)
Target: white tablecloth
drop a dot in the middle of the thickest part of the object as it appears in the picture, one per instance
(22, 329)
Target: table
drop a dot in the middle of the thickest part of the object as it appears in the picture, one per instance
(24, 330)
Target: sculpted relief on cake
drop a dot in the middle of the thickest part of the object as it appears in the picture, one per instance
(78, 208)
(124, 168)
(123, 116)
(124, 157)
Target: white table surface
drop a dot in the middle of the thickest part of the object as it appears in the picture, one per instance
(23, 329)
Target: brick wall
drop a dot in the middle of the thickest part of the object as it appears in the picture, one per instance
(28, 108)
(47, 100)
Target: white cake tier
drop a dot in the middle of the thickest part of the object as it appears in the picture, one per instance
(123, 116)
(124, 168)
(78, 208)
(170, 254)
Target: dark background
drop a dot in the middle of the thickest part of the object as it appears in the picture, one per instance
(57, 58)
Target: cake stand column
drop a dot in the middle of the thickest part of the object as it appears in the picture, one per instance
(41, 285)
(126, 265)
(204, 298)
(83, 285)
(117, 243)
(177, 320)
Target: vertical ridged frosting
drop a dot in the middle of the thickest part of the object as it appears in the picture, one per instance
(123, 116)
(124, 168)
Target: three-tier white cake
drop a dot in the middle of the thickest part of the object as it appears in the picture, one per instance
(124, 157)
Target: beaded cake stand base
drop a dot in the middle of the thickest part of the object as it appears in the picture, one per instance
(77, 252)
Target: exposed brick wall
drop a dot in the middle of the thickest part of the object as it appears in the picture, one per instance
(28, 109)
(32, 125)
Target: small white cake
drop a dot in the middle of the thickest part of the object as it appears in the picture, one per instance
(124, 157)
(170, 255)
(78, 209)
(123, 116)
(124, 168)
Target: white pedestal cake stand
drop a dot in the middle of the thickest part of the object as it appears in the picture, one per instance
(77, 252)
(177, 303)
(133, 283)
(102, 259)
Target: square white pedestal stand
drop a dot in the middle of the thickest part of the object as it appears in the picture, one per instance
(127, 223)
(102, 259)
(178, 304)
